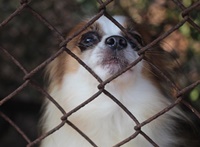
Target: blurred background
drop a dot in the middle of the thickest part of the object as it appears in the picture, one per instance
(31, 43)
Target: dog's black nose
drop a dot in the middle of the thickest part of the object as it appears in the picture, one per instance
(116, 42)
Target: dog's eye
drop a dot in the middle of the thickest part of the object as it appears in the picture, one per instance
(137, 38)
(89, 39)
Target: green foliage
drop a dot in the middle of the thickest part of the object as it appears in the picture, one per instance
(195, 94)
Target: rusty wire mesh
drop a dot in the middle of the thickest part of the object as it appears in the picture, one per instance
(29, 81)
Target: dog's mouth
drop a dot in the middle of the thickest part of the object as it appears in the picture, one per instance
(114, 64)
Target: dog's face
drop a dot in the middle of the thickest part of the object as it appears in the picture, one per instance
(105, 48)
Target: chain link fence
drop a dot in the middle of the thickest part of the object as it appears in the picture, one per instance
(29, 80)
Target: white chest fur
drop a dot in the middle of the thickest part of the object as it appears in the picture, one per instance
(103, 120)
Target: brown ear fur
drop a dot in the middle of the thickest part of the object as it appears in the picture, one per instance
(64, 63)
(160, 67)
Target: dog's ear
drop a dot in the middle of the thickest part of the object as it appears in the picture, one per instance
(64, 63)
(162, 67)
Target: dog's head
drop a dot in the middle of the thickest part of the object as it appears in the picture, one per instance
(104, 47)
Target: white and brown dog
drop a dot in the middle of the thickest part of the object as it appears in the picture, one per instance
(106, 50)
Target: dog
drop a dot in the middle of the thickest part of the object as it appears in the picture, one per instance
(107, 50)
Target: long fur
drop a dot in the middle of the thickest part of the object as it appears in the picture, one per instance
(102, 120)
